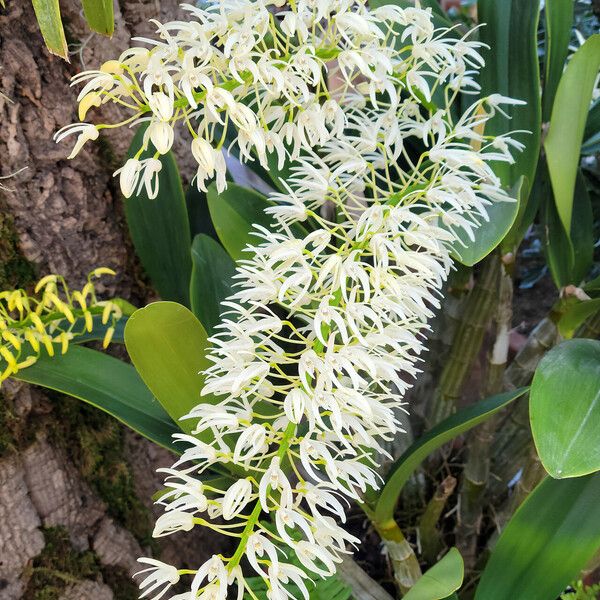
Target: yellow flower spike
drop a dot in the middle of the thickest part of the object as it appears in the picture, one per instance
(3, 325)
(35, 319)
(12, 338)
(108, 336)
(102, 271)
(45, 280)
(9, 358)
(112, 67)
(33, 341)
(47, 341)
(89, 323)
(89, 100)
(64, 342)
(106, 313)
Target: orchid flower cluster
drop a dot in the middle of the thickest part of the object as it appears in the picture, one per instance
(319, 342)
(54, 317)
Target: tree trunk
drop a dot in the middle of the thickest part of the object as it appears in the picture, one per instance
(75, 487)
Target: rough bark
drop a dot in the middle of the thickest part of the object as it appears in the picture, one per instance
(67, 218)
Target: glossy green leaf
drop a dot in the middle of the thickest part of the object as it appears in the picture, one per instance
(569, 256)
(559, 20)
(444, 578)
(167, 345)
(99, 15)
(106, 383)
(455, 425)
(575, 315)
(546, 544)
(198, 213)
(233, 213)
(160, 230)
(592, 125)
(564, 408)
(47, 13)
(512, 69)
(490, 233)
(569, 116)
(211, 281)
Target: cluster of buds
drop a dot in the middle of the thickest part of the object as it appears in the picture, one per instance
(50, 319)
(385, 176)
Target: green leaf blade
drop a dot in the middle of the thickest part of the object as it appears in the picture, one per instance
(546, 544)
(512, 69)
(160, 230)
(47, 13)
(564, 408)
(234, 211)
(106, 383)
(99, 15)
(559, 20)
(443, 432)
(567, 125)
(212, 280)
(167, 345)
(501, 217)
(439, 582)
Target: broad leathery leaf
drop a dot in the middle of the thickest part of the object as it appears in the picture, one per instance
(106, 383)
(569, 256)
(501, 217)
(444, 578)
(198, 213)
(99, 15)
(591, 135)
(160, 229)
(546, 544)
(564, 409)
(575, 315)
(455, 425)
(234, 211)
(47, 13)
(512, 69)
(211, 281)
(569, 116)
(559, 20)
(167, 346)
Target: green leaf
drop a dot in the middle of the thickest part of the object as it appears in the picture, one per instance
(549, 540)
(198, 213)
(490, 233)
(47, 13)
(211, 281)
(99, 15)
(569, 115)
(569, 256)
(233, 213)
(592, 125)
(167, 345)
(559, 20)
(160, 229)
(512, 69)
(106, 383)
(564, 408)
(575, 315)
(444, 578)
(443, 432)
